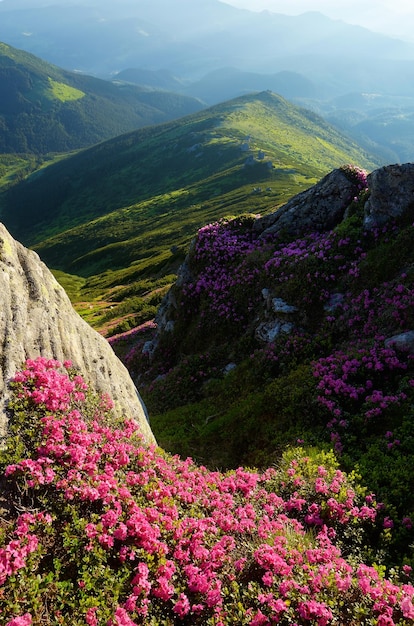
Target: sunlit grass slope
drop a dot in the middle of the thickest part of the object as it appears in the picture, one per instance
(123, 212)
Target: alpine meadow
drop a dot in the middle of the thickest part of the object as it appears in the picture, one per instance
(207, 346)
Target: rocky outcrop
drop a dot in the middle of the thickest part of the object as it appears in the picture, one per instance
(388, 193)
(317, 209)
(37, 319)
(391, 194)
(323, 206)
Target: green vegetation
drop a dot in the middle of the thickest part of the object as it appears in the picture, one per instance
(126, 210)
(44, 109)
(220, 394)
(98, 528)
(14, 167)
(64, 92)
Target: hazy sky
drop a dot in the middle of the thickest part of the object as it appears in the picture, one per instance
(393, 17)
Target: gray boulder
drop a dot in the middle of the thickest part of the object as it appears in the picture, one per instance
(268, 332)
(403, 342)
(317, 209)
(37, 319)
(391, 194)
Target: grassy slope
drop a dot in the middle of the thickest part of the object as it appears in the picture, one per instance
(46, 109)
(332, 382)
(124, 211)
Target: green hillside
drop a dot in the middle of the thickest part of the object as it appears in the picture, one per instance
(97, 528)
(124, 211)
(267, 341)
(45, 109)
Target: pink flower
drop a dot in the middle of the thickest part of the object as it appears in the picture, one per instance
(121, 618)
(385, 620)
(24, 620)
(315, 610)
(90, 617)
(259, 619)
(165, 590)
(407, 607)
(182, 606)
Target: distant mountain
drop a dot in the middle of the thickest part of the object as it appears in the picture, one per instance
(46, 109)
(213, 51)
(224, 84)
(381, 123)
(158, 79)
(191, 39)
(232, 82)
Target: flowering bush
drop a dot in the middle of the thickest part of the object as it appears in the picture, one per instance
(332, 379)
(219, 255)
(363, 382)
(102, 530)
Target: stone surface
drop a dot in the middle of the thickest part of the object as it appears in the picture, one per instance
(391, 194)
(269, 331)
(37, 319)
(317, 209)
(403, 342)
(280, 306)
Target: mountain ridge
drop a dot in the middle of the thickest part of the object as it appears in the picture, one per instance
(315, 145)
(46, 109)
(322, 58)
(116, 208)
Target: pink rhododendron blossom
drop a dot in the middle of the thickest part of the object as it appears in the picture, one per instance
(182, 606)
(184, 539)
(24, 620)
(407, 607)
(90, 617)
(121, 618)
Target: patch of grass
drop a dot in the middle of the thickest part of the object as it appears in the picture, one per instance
(15, 167)
(63, 92)
(72, 284)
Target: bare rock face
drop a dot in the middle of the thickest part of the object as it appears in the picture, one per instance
(317, 209)
(37, 319)
(391, 194)
(404, 342)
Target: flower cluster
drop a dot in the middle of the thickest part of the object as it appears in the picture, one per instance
(386, 308)
(13, 556)
(144, 538)
(351, 380)
(358, 176)
(232, 266)
(218, 250)
(314, 263)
